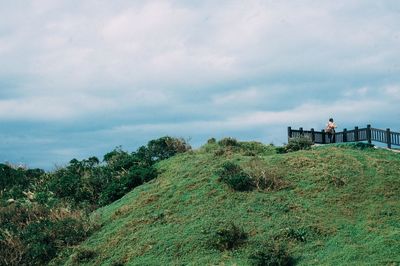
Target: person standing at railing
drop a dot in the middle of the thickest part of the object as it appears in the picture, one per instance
(330, 130)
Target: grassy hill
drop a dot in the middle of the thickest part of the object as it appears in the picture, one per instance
(335, 205)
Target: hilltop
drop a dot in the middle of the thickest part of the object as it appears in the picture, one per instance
(334, 204)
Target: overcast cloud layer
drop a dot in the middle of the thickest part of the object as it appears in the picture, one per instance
(78, 78)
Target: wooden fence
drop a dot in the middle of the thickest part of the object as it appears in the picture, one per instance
(368, 134)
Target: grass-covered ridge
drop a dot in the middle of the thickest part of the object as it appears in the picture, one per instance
(338, 205)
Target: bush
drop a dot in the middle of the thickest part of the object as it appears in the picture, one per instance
(299, 234)
(33, 234)
(166, 147)
(229, 237)
(70, 231)
(281, 150)
(39, 241)
(272, 255)
(252, 148)
(262, 177)
(12, 250)
(118, 159)
(228, 142)
(12, 177)
(45, 238)
(234, 176)
(119, 187)
(83, 256)
(211, 141)
(41, 213)
(219, 152)
(299, 143)
(66, 183)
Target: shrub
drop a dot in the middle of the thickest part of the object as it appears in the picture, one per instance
(118, 159)
(119, 187)
(234, 176)
(39, 240)
(281, 150)
(83, 255)
(15, 217)
(11, 177)
(262, 177)
(219, 152)
(166, 147)
(299, 143)
(338, 181)
(211, 141)
(66, 183)
(299, 234)
(272, 255)
(43, 236)
(229, 237)
(70, 231)
(252, 148)
(118, 263)
(228, 142)
(12, 250)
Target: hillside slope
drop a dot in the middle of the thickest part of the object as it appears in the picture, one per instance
(338, 206)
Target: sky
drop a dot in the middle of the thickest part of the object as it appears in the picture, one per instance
(81, 77)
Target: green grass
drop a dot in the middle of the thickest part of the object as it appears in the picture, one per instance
(340, 206)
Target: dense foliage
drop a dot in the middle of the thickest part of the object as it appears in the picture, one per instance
(42, 213)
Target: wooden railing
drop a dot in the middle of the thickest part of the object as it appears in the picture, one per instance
(368, 134)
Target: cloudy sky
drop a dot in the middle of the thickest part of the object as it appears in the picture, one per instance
(78, 78)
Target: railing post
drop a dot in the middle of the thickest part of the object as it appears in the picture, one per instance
(345, 135)
(312, 135)
(369, 135)
(323, 136)
(388, 138)
(289, 131)
(356, 138)
(301, 131)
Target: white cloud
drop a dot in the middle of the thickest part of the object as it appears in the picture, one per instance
(247, 96)
(393, 92)
(199, 66)
(360, 92)
(346, 112)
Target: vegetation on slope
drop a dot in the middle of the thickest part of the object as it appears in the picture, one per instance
(43, 213)
(335, 205)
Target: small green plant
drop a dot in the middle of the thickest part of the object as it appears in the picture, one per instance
(229, 237)
(83, 255)
(297, 234)
(338, 181)
(228, 142)
(272, 255)
(118, 263)
(298, 143)
(234, 176)
(301, 234)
